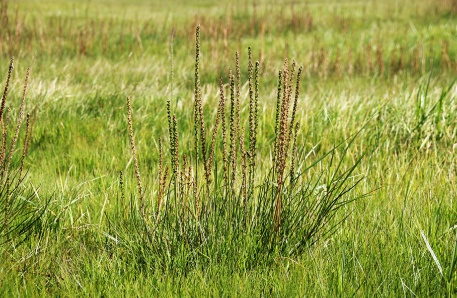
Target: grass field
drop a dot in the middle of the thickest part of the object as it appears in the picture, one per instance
(344, 188)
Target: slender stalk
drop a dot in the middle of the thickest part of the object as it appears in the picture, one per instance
(171, 136)
(5, 124)
(7, 207)
(233, 136)
(277, 119)
(256, 113)
(238, 92)
(161, 189)
(243, 167)
(135, 159)
(294, 109)
(219, 115)
(293, 155)
(203, 143)
(224, 149)
(122, 190)
(26, 143)
(18, 125)
(197, 94)
(176, 146)
(5, 91)
(251, 124)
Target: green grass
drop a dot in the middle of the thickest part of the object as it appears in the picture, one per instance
(87, 57)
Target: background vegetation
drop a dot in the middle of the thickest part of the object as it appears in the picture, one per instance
(378, 79)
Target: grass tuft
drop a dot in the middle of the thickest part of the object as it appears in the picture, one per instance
(277, 218)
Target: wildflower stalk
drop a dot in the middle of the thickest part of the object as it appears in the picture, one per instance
(5, 92)
(18, 125)
(135, 159)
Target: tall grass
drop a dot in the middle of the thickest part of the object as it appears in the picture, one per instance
(249, 216)
(18, 210)
(201, 217)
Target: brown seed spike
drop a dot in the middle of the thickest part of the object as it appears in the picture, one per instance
(277, 119)
(5, 124)
(224, 146)
(159, 196)
(135, 159)
(26, 143)
(251, 122)
(243, 166)
(18, 125)
(238, 92)
(294, 153)
(197, 96)
(171, 136)
(294, 109)
(5, 92)
(219, 114)
(203, 140)
(233, 136)
(253, 134)
(176, 146)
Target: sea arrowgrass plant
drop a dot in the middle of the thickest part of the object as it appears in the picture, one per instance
(253, 119)
(18, 209)
(135, 158)
(208, 217)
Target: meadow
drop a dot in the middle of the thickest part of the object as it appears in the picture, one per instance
(228, 148)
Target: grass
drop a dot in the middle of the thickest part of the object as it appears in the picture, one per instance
(377, 80)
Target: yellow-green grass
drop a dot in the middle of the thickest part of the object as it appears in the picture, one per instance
(80, 141)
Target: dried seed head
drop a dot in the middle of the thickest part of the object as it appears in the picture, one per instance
(26, 142)
(135, 159)
(219, 114)
(5, 92)
(18, 125)
(233, 136)
(277, 119)
(197, 95)
(176, 146)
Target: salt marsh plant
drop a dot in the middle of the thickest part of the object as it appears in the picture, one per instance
(18, 211)
(215, 206)
(242, 175)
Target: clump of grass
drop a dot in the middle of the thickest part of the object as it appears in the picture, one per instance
(204, 217)
(284, 133)
(18, 214)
